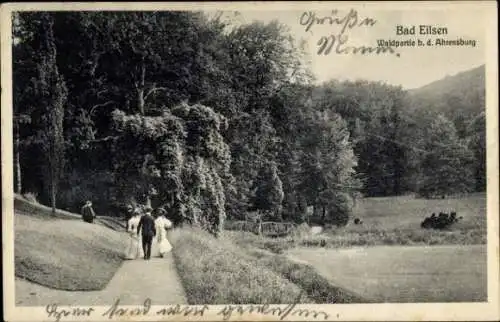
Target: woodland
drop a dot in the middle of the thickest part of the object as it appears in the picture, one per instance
(215, 120)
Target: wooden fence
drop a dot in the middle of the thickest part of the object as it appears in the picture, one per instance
(267, 228)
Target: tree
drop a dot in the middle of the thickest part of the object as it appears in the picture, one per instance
(181, 156)
(476, 137)
(24, 72)
(328, 167)
(263, 60)
(269, 192)
(52, 93)
(447, 163)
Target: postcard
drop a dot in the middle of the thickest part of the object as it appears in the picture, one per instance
(250, 161)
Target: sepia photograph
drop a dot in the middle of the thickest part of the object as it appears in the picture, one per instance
(223, 161)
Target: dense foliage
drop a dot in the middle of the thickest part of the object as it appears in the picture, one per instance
(212, 119)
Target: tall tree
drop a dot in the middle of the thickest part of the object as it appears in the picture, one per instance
(446, 166)
(328, 167)
(269, 192)
(52, 93)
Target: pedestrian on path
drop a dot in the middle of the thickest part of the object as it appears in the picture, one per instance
(162, 225)
(88, 214)
(147, 229)
(134, 249)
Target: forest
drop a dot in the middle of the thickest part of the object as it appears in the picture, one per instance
(216, 120)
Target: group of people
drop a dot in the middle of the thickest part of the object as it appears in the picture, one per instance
(148, 233)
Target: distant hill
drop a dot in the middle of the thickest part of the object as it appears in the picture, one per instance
(462, 80)
(460, 97)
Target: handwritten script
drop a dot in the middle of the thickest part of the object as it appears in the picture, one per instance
(227, 312)
(339, 38)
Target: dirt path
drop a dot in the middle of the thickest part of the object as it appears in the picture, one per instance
(134, 282)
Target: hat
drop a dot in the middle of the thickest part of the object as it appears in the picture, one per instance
(148, 209)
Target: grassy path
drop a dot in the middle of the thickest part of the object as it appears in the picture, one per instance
(135, 281)
(402, 273)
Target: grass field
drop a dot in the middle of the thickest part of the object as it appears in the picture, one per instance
(407, 212)
(64, 254)
(404, 274)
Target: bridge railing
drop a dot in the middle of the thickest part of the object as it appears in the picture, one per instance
(266, 228)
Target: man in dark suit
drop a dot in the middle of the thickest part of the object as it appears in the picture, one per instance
(147, 223)
(88, 214)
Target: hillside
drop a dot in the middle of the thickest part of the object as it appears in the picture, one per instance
(63, 253)
(473, 78)
(460, 97)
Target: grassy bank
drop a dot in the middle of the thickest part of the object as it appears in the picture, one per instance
(214, 271)
(306, 277)
(64, 254)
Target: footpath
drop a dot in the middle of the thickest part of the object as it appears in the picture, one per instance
(135, 281)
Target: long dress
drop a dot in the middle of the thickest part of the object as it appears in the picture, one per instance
(134, 249)
(163, 245)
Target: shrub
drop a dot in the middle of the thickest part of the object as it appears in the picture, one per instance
(341, 209)
(440, 222)
(215, 271)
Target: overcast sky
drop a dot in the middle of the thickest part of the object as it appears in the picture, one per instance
(413, 68)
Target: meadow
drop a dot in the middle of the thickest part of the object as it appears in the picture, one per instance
(399, 274)
(390, 258)
(389, 221)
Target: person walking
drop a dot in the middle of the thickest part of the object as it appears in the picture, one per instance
(147, 229)
(134, 249)
(88, 214)
(162, 224)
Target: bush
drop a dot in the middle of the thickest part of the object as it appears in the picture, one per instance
(341, 209)
(440, 222)
(214, 271)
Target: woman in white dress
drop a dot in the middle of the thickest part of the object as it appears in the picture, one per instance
(134, 249)
(162, 224)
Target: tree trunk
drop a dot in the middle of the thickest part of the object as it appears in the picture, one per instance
(17, 161)
(53, 195)
(140, 89)
(140, 100)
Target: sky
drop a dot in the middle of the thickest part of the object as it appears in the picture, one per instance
(415, 66)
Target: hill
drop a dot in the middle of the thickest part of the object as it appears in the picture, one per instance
(460, 97)
(474, 78)
(63, 252)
